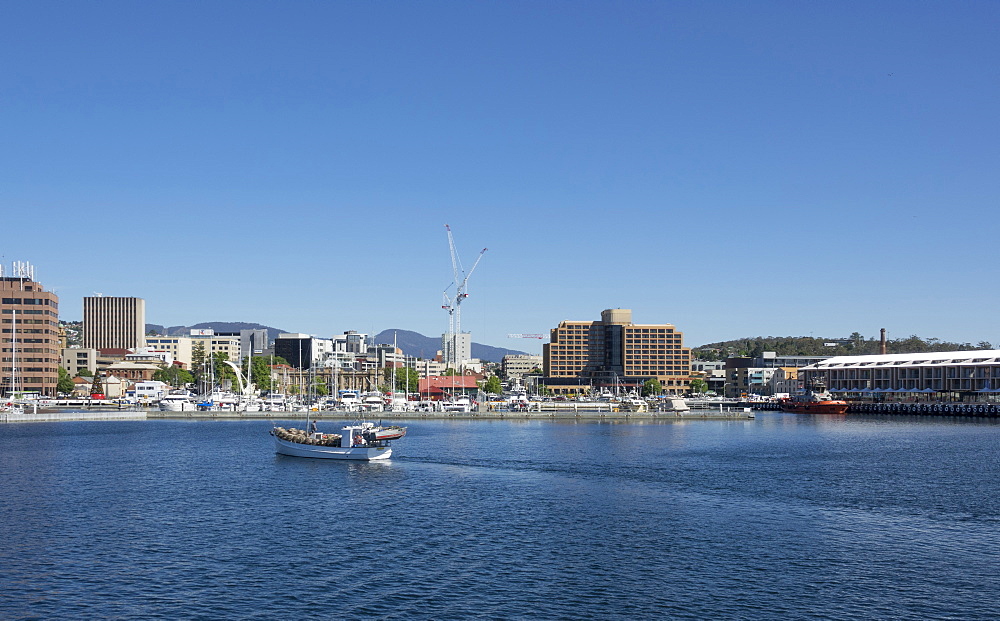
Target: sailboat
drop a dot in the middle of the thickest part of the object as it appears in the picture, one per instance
(10, 405)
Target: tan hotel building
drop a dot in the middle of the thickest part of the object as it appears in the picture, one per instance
(29, 336)
(585, 355)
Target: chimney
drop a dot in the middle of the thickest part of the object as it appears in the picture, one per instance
(881, 344)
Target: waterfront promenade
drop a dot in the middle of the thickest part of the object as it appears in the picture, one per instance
(561, 414)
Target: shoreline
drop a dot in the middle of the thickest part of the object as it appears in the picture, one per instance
(328, 415)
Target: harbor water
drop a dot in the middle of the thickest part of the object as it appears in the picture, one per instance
(778, 517)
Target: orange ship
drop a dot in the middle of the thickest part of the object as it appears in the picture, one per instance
(817, 400)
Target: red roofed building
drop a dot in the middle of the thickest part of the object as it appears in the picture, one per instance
(437, 386)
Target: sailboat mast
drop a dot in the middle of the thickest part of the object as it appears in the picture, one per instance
(15, 379)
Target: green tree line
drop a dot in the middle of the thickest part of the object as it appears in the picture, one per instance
(854, 345)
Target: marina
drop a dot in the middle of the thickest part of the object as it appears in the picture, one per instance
(697, 410)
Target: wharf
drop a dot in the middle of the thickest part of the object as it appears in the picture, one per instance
(924, 408)
(60, 416)
(565, 414)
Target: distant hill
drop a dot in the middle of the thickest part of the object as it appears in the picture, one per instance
(218, 326)
(853, 345)
(420, 346)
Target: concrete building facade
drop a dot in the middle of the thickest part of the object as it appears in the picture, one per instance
(302, 351)
(76, 358)
(177, 347)
(747, 376)
(615, 352)
(29, 334)
(973, 373)
(456, 349)
(516, 366)
(113, 322)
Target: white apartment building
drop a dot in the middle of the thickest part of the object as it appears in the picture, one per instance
(181, 348)
(177, 347)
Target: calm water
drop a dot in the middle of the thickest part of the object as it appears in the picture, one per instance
(780, 517)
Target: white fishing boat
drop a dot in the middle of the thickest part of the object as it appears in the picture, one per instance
(362, 442)
(392, 432)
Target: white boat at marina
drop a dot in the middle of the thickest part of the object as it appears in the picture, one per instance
(177, 402)
(517, 399)
(10, 407)
(461, 403)
(275, 402)
(633, 403)
(361, 442)
(350, 400)
(372, 402)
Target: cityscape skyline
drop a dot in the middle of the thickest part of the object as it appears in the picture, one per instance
(735, 170)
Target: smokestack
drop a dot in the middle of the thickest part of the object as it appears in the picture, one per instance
(881, 344)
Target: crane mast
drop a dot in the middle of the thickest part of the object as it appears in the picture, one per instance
(454, 304)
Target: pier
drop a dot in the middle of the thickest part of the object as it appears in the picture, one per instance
(59, 416)
(927, 408)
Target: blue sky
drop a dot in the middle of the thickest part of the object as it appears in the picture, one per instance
(733, 168)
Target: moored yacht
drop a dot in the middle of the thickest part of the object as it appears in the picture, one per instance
(177, 402)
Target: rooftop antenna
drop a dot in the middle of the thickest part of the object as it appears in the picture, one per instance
(454, 305)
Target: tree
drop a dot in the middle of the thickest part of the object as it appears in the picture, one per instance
(450, 371)
(699, 385)
(260, 373)
(65, 384)
(407, 379)
(198, 361)
(222, 370)
(97, 388)
(492, 385)
(85, 372)
(651, 387)
(173, 375)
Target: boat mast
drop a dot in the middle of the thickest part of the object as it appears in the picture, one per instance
(15, 379)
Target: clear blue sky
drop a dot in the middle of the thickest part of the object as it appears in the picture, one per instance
(733, 168)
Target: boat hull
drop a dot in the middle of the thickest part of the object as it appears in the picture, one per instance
(177, 406)
(816, 407)
(390, 433)
(358, 453)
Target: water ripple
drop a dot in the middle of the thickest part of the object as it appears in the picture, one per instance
(775, 518)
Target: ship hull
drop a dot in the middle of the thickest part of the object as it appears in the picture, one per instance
(815, 407)
(359, 453)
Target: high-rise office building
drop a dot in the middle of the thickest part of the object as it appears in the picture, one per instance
(614, 352)
(302, 351)
(456, 349)
(29, 337)
(114, 323)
